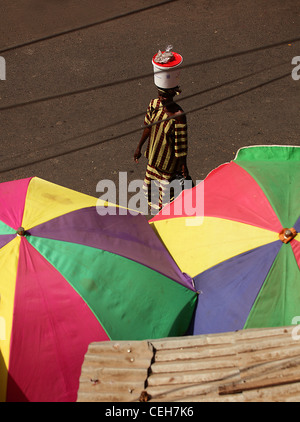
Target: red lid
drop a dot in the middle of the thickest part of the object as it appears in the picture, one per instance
(175, 62)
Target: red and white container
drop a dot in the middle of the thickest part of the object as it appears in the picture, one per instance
(166, 75)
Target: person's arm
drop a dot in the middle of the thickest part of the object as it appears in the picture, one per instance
(145, 136)
(183, 167)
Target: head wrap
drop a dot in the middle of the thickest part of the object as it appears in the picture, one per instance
(170, 92)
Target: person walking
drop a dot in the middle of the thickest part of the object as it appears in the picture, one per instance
(166, 132)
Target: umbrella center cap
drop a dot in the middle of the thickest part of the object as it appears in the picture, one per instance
(286, 235)
(21, 231)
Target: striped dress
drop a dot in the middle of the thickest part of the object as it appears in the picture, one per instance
(167, 143)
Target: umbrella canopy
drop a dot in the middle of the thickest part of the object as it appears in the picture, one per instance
(68, 277)
(241, 244)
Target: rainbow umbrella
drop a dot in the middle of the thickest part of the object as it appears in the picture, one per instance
(239, 242)
(70, 276)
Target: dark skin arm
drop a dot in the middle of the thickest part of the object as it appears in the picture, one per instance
(145, 136)
(183, 167)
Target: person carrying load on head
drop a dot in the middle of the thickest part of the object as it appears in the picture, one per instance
(166, 131)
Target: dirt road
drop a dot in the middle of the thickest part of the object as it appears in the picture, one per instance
(79, 78)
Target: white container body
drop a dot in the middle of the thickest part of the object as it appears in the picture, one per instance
(166, 77)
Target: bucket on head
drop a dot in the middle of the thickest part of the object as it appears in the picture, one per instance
(166, 75)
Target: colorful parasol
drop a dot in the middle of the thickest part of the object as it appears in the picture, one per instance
(240, 244)
(70, 276)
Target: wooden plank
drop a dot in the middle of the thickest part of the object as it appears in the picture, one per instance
(274, 345)
(273, 393)
(116, 361)
(193, 364)
(108, 397)
(114, 374)
(115, 371)
(143, 349)
(193, 341)
(264, 355)
(216, 398)
(176, 392)
(195, 377)
(256, 333)
(101, 387)
(263, 344)
(279, 372)
(270, 367)
(257, 384)
(248, 365)
(194, 353)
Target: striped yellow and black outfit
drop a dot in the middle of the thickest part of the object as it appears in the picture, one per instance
(167, 143)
